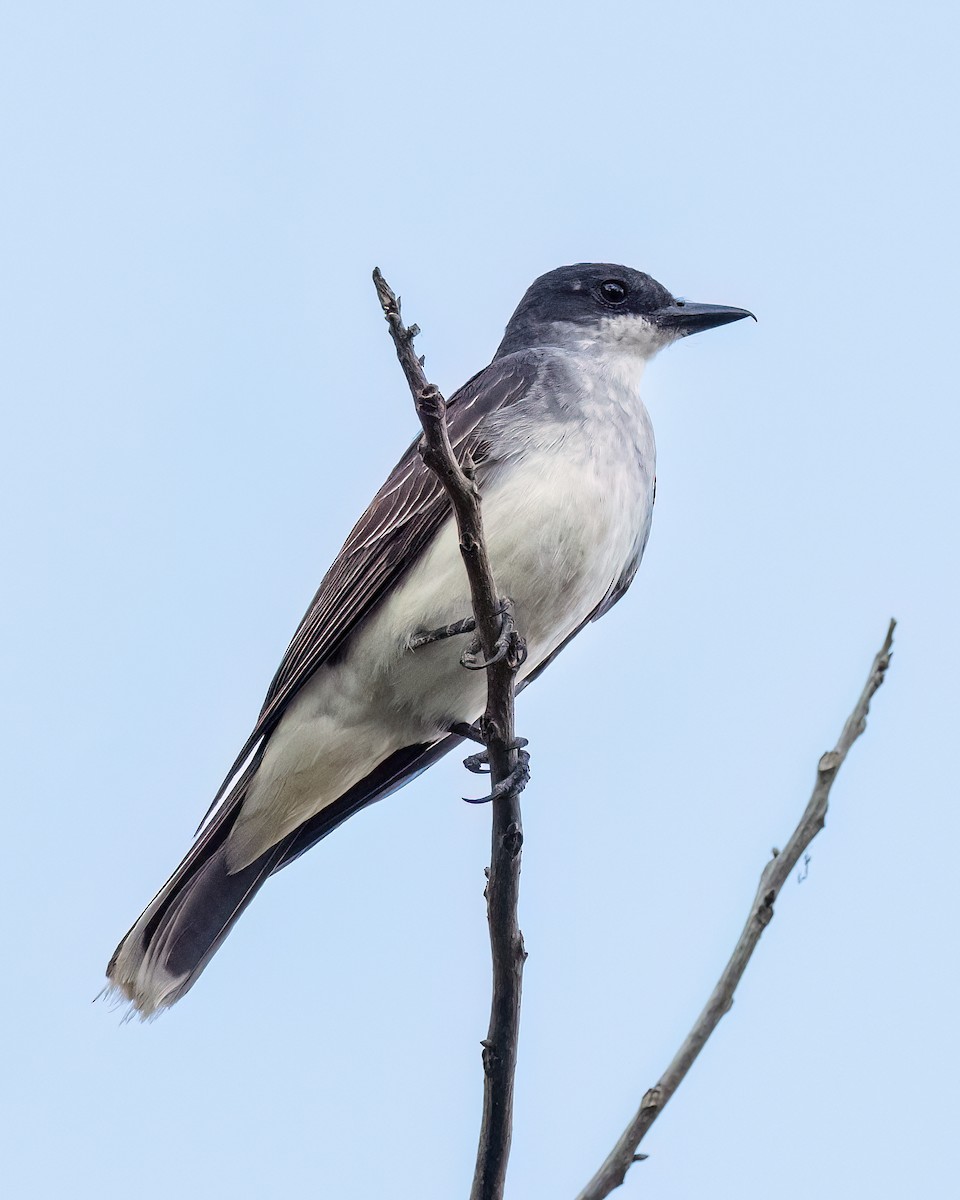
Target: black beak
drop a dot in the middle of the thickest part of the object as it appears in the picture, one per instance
(687, 318)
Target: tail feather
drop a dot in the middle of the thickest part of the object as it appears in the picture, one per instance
(178, 933)
(163, 954)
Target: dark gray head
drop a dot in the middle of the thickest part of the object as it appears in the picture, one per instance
(604, 301)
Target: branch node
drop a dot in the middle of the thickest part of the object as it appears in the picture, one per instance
(764, 912)
(831, 761)
(513, 840)
(432, 406)
(492, 730)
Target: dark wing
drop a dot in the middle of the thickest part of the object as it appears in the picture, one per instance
(386, 541)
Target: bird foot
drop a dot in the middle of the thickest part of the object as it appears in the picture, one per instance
(479, 763)
(514, 783)
(509, 644)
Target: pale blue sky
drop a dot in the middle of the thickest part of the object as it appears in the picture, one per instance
(200, 397)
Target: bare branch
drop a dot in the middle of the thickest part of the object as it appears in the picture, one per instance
(614, 1169)
(499, 735)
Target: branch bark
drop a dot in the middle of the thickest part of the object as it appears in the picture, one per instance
(614, 1168)
(498, 729)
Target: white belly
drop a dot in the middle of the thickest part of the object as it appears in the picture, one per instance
(560, 533)
(558, 536)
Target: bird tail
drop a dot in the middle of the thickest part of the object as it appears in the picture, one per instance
(162, 956)
(180, 930)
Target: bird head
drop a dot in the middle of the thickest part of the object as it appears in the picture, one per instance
(606, 306)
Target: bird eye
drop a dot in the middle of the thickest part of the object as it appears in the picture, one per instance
(613, 291)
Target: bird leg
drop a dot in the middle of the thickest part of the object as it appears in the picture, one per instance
(467, 625)
(473, 733)
(510, 646)
(508, 641)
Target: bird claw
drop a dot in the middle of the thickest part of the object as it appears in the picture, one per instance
(479, 763)
(509, 642)
(514, 783)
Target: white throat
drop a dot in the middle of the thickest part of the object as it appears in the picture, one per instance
(621, 346)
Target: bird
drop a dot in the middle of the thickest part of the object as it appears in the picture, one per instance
(371, 691)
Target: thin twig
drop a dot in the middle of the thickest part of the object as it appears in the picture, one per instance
(611, 1174)
(497, 726)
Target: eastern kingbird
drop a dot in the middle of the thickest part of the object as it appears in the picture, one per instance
(362, 703)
